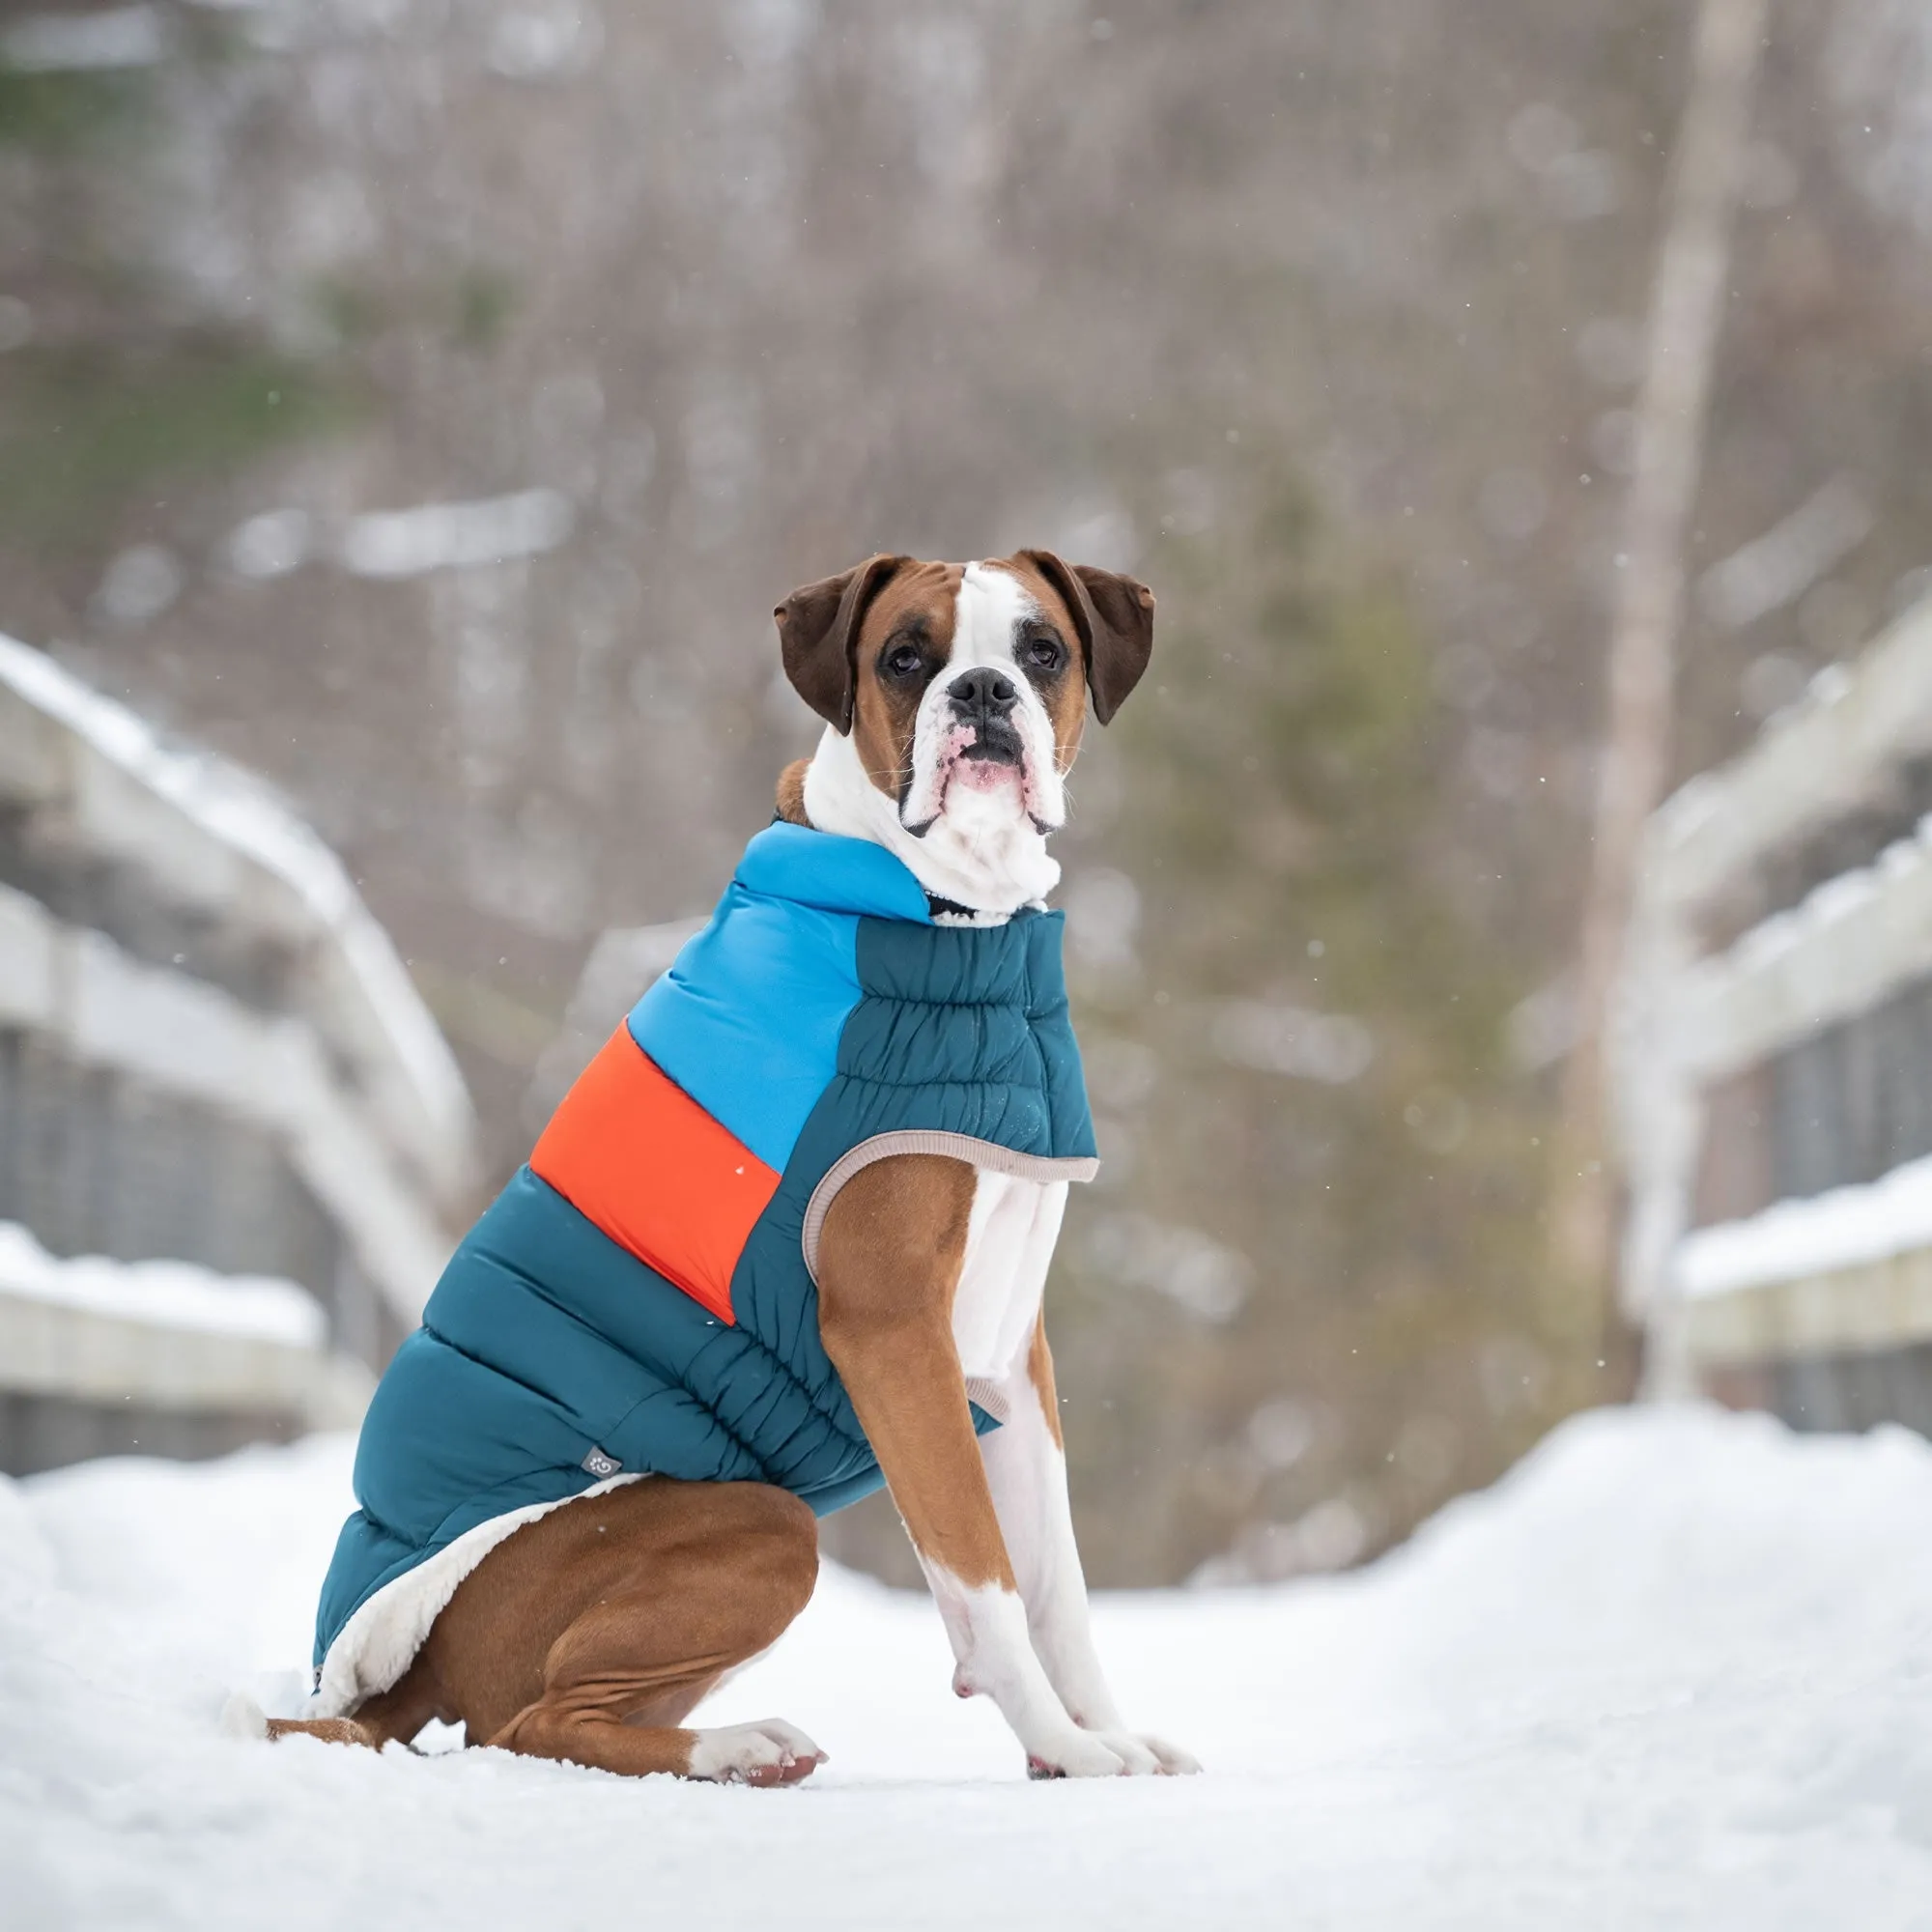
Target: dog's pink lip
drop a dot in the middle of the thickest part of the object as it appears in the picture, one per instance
(981, 774)
(960, 763)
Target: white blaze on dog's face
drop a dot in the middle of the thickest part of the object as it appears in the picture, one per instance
(984, 755)
(954, 697)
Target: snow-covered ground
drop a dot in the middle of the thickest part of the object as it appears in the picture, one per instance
(1675, 1671)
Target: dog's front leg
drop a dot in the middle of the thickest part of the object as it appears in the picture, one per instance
(888, 1262)
(1026, 1470)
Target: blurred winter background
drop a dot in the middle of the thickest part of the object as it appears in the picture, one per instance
(422, 403)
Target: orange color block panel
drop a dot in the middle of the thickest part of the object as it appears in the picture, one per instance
(635, 1155)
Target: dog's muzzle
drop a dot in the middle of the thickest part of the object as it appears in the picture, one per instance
(983, 699)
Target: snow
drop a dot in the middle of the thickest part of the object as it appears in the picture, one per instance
(49, 42)
(1793, 1240)
(1778, 567)
(398, 544)
(438, 536)
(221, 799)
(1675, 1671)
(240, 813)
(169, 1295)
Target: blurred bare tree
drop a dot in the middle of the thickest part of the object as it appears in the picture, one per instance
(426, 402)
(1666, 440)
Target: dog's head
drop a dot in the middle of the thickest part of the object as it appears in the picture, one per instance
(954, 697)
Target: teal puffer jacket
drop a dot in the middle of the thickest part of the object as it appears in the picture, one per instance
(640, 1298)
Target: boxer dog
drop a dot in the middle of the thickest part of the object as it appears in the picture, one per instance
(953, 698)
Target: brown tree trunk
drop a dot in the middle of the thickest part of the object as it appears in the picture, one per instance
(1686, 313)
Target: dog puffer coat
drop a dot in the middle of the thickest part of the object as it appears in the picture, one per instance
(640, 1299)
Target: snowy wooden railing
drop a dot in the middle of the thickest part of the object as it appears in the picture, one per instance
(305, 1036)
(1769, 1077)
(169, 1335)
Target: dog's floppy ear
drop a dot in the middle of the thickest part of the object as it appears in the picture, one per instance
(818, 625)
(1115, 615)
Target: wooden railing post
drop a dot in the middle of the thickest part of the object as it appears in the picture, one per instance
(1686, 314)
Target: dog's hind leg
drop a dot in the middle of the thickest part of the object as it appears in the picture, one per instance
(591, 1634)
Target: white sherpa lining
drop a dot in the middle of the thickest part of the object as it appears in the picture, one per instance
(373, 1649)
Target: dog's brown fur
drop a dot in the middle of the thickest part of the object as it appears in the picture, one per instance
(792, 792)
(888, 1262)
(1039, 1372)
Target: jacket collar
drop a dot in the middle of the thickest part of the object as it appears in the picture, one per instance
(831, 873)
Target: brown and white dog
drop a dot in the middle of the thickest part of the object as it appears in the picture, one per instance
(954, 697)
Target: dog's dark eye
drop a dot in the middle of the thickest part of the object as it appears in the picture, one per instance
(1041, 654)
(904, 661)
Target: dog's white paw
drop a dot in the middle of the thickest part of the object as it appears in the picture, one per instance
(1169, 1760)
(770, 1751)
(1110, 1755)
(243, 1718)
(1078, 1754)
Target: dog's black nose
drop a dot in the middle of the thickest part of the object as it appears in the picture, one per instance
(983, 693)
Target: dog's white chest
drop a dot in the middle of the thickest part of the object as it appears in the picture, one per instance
(1010, 1240)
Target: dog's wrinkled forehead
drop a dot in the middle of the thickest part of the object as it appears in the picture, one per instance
(963, 612)
(921, 600)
